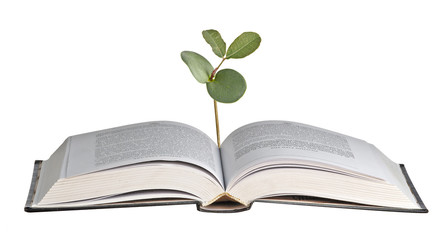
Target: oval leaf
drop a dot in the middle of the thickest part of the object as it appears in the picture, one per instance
(228, 86)
(213, 38)
(244, 45)
(199, 66)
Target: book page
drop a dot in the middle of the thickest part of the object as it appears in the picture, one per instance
(272, 141)
(142, 142)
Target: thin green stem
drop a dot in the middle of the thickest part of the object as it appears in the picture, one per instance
(215, 104)
(217, 123)
(216, 69)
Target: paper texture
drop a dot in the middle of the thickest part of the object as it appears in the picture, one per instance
(143, 142)
(271, 141)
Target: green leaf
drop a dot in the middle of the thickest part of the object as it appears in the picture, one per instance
(199, 66)
(213, 38)
(228, 86)
(244, 45)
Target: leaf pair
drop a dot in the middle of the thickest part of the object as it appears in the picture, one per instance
(241, 47)
(227, 85)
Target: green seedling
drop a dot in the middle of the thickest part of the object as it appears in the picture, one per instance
(226, 85)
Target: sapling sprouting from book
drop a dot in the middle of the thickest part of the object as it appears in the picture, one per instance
(164, 162)
(226, 85)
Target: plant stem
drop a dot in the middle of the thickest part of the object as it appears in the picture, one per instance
(212, 76)
(216, 69)
(217, 123)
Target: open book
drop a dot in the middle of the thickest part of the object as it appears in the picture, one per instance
(157, 163)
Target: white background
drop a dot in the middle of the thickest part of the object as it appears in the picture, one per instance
(375, 70)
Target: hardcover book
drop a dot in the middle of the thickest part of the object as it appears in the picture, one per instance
(163, 163)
